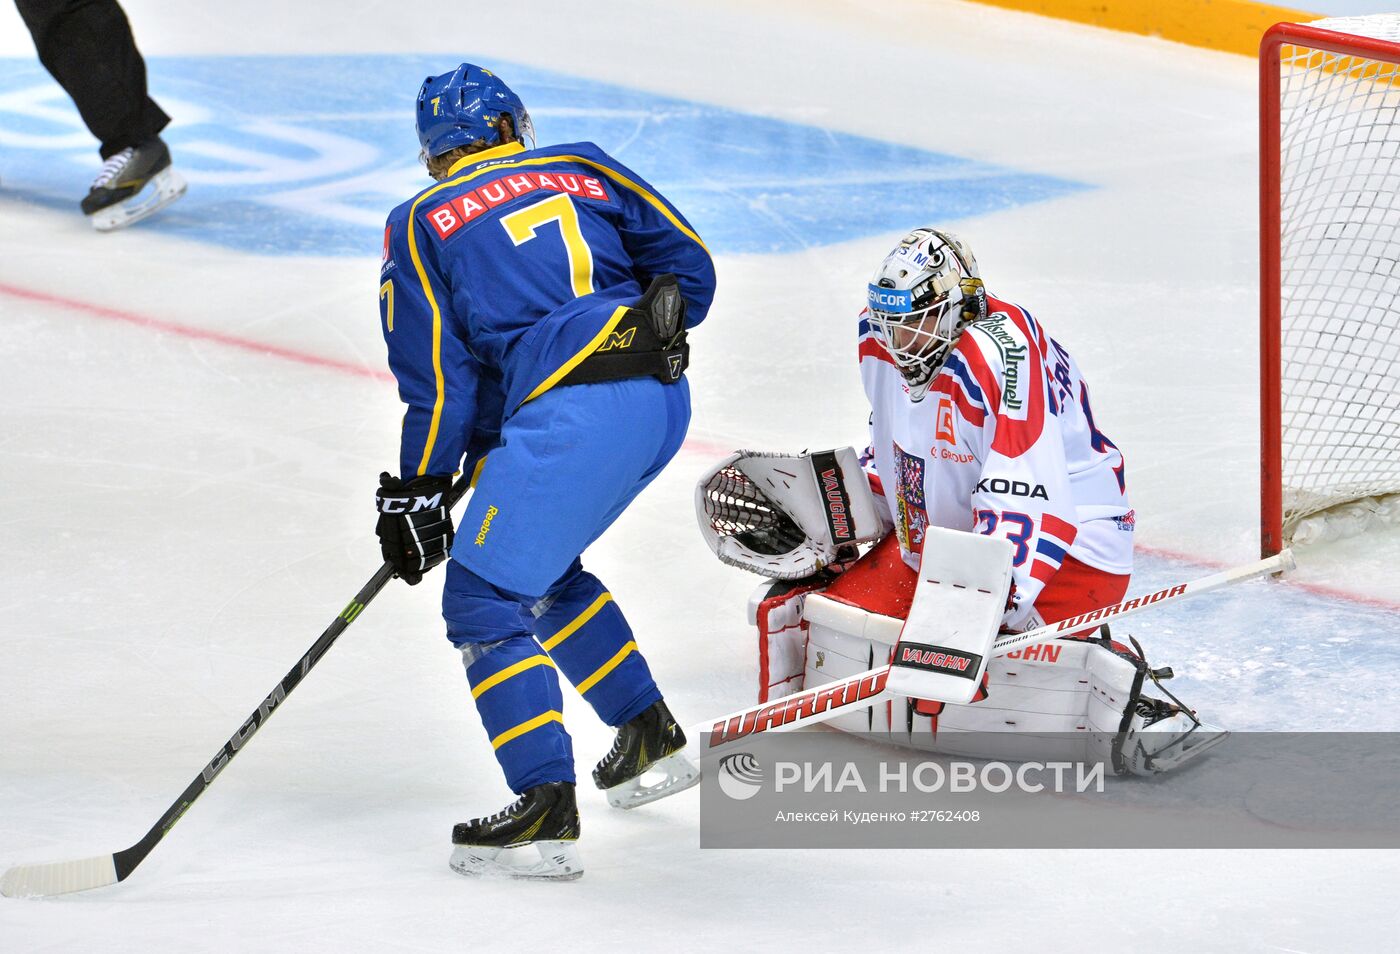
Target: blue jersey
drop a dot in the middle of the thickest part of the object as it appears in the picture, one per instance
(499, 280)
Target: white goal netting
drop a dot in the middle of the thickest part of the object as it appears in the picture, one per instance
(1340, 262)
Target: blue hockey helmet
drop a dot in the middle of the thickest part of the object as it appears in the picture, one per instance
(465, 106)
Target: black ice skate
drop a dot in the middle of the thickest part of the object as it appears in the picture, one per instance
(133, 184)
(648, 746)
(545, 818)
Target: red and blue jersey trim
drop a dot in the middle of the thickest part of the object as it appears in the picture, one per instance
(1056, 537)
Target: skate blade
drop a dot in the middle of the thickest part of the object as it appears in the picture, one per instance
(167, 186)
(680, 774)
(558, 861)
(1187, 748)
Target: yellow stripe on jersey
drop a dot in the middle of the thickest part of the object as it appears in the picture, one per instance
(577, 621)
(578, 357)
(453, 180)
(529, 726)
(607, 667)
(476, 473)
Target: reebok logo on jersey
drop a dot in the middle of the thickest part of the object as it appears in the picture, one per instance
(1014, 488)
(458, 211)
(486, 526)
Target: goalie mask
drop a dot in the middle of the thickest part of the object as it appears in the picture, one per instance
(922, 296)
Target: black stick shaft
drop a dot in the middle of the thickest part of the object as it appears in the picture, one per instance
(127, 859)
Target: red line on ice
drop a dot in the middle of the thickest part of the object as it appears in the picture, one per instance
(199, 334)
(1318, 588)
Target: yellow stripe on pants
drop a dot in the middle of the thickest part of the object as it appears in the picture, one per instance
(533, 724)
(577, 621)
(607, 667)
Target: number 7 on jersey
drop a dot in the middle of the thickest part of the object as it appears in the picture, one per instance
(523, 225)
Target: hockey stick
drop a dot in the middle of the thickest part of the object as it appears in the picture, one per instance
(62, 877)
(811, 706)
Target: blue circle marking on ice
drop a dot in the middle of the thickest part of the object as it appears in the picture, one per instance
(306, 155)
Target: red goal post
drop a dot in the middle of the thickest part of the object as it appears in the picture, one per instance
(1329, 168)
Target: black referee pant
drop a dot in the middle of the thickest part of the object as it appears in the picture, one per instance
(88, 47)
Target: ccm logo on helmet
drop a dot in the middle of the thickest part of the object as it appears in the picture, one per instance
(1015, 488)
(890, 299)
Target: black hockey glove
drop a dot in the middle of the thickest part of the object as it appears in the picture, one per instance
(415, 529)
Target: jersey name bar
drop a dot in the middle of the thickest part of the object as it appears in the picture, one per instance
(459, 210)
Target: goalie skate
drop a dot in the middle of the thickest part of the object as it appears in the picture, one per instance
(1161, 737)
(534, 838)
(646, 762)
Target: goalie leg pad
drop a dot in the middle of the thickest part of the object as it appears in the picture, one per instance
(1072, 699)
(776, 609)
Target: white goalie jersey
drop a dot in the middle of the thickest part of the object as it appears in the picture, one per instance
(1005, 444)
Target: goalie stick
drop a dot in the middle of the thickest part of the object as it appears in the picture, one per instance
(63, 877)
(811, 706)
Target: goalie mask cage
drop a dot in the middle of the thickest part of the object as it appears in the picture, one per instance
(1330, 271)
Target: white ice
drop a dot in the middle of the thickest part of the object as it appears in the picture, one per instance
(182, 516)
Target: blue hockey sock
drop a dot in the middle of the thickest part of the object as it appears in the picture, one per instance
(517, 693)
(513, 681)
(581, 627)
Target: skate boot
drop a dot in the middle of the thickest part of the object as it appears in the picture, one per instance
(646, 762)
(544, 819)
(1162, 736)
(133, 184)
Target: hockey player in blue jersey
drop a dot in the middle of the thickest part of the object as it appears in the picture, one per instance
(535, 303)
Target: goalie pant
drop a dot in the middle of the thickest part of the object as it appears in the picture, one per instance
(1070, 699)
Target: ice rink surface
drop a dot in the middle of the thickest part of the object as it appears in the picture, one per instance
(194, 412)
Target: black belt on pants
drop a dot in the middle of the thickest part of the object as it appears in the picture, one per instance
(648, 341)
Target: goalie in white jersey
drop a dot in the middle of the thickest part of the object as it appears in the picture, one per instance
(981, 421)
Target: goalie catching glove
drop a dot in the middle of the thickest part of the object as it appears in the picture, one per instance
(415, 529)
(786, 517)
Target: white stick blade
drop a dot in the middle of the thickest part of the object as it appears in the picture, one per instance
(58, 877)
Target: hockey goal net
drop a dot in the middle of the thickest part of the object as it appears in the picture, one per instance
(1330, 277)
